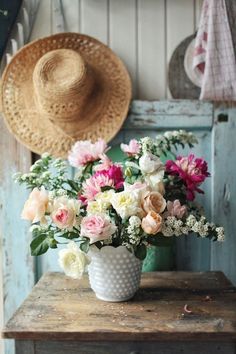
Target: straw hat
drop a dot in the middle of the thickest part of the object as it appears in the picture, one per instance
(64, 88)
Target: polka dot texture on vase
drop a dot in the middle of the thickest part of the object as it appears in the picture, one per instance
(114, 273)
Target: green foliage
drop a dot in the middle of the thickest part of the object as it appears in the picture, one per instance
(39, 245)
(140, 251)
(159, 240)
(84, 244)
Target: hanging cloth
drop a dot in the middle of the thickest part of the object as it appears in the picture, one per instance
(214, 56)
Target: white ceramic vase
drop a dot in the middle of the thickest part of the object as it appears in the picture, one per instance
(114, 273)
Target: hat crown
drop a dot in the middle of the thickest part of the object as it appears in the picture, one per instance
(61, 84)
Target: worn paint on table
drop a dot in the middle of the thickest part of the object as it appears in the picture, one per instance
(60, 308)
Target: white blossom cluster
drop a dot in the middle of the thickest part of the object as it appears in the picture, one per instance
(181, 135)
(133, 230)
(220, 234)
(56, 193)
(172, 226)
(147, 144)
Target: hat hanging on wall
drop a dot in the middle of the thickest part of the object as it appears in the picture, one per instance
(183, 81)
(64, 88)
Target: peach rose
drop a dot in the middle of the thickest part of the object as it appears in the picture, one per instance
(151, 224)
(153, 201)
(36, 205)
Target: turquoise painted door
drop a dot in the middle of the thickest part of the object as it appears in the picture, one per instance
(215, 129)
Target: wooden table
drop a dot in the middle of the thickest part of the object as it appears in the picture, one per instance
(62, 315)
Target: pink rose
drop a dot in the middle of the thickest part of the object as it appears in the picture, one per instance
(176, 209)
(97, 227)
(36, 205)
(132, 148)
(64, 212)
(152, 223)
(85, 151)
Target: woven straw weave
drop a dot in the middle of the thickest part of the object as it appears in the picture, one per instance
(93, 103)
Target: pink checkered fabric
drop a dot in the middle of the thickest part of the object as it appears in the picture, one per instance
(214, 53)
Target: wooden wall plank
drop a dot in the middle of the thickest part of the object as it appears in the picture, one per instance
(42, 25)
(151, 54)
(71, 10)
(17, 264)
(178, 107)
(17, 268)
(224, 197)
(180, 24)
(122, 34)
(95, 19)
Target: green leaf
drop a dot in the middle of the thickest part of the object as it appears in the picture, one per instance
(106, 188)
(84, 246)
(141, 252)
(39, 245)
(161, 241)
(52, 243)
(98, 244)
(73, 185)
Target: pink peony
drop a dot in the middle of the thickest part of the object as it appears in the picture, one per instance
(105, 164)
(85, 151)
(112, 177)
(97, 227)
(92, 186)
(116, 174)
(176, 209)
(192, 170)
(132, 148)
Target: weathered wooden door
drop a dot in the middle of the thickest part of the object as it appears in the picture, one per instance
(215, 129)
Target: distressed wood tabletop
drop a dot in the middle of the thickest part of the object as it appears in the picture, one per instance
(60, 308)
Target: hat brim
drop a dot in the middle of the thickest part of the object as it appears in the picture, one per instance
(104, 113)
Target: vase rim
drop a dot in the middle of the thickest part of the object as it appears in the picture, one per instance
(109, 249)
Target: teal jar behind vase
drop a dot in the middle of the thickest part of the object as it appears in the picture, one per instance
(159, 258)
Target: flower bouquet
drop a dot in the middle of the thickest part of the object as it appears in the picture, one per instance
(109, 213)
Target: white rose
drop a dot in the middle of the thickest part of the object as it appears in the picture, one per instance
(126, 203)
(73, 261)
(154, 181)
(150, 163)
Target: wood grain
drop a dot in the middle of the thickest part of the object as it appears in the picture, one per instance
(60, 308)
(224, 199)
(178, 13)
(151, 49)
(134, 347)
(122, 34)
(24, 347)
